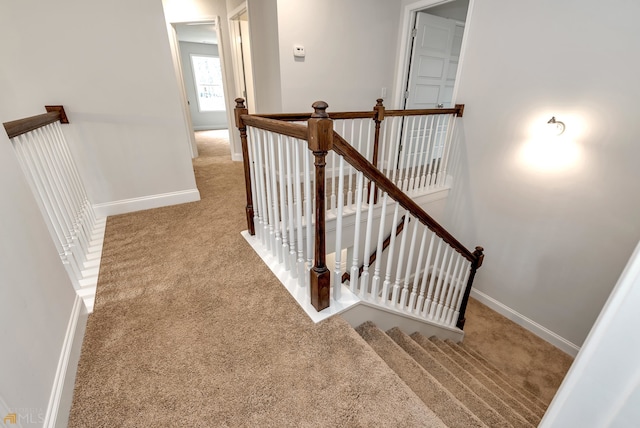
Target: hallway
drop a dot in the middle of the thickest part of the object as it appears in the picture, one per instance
(191, 329)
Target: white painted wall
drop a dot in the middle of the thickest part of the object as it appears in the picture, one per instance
(265, 56)
(602, 389)
(199, 10)
(555, 240)
(350, 52)
(35, 292)
(110, 65)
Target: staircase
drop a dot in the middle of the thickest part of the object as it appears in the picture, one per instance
(454, 381)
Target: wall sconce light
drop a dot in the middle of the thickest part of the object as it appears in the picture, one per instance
(555, 126)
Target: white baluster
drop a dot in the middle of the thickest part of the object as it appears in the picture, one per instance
(407, 277)
(283, 252)
(403, 240)
(464, 266)
(446, 308)
(394, 146)
(416, 276)
(426, 173)
(420, 158)
(439, 280)
(375, 283)
(276, 248)
(442, 176)
(264, 210)
(432, 170)
(410, 154)
(299, 199)
(364, 280)
(331, 178)
(432, 280)
(387, 276)
(293, 221)
(445, 282)
(425, 275)
(309, 206)
(355, 270)
(337, 275)
(350, 172)
(369, 148)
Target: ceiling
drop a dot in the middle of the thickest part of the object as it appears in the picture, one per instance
(197, 32)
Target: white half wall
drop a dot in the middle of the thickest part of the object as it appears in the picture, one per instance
(557, 216)
(110, 65)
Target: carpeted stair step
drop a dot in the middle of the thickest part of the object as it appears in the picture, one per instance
(486, 394)
(499, 380)
(441, 401)
(462, 392)
(512, 401)
(482, 360)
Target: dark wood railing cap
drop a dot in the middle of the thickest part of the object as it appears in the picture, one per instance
(240, 103)
(379, 102)
(320, 109)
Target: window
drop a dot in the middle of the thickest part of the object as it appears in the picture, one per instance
(208, 79)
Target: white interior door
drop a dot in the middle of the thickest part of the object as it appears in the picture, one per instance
(434, 62)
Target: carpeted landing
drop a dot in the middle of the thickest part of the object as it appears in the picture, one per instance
(461, 387)
(191, 329)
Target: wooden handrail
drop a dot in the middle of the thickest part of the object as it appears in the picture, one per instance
(291, 129)
(291, 117)
(359, 162)
(22, 126)
(458, 110)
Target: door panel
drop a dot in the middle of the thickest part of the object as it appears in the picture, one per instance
(432, 74)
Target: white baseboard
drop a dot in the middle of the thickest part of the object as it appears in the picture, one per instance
(146, 202)
(535, 328)
(236, 157)
(62, 392)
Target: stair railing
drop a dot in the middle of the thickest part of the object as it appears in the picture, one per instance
(46, 161)
(282, 192)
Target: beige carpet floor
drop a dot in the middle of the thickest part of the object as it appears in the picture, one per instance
(191, 329)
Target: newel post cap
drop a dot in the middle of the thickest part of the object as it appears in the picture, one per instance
(240, 103)
(320, 109)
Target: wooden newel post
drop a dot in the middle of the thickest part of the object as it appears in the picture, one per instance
(320, 139)
(239, 111)
(477, 262)
(378, 117)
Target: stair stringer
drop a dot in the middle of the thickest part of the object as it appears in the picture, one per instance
(387, 318)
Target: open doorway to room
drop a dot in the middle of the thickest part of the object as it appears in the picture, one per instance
(202, 74)
(241, 53)
(432, 44)
(432, 39)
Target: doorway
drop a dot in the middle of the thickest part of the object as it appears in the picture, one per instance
(242, 62)
(202, 74)
(434, 35)
(431, 44)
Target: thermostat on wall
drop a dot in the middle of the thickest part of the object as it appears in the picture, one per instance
(298, 51)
